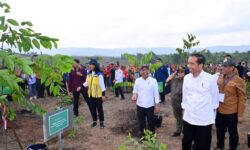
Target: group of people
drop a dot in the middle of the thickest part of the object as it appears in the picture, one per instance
(36, 90)
(199, 100)
(201, 95)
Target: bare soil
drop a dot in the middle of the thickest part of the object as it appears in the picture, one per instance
(120, 119)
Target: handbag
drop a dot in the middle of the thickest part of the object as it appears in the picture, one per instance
(157, 120)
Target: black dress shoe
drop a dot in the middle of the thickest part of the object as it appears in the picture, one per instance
(102, 125)
(175, 134)
(94, 124)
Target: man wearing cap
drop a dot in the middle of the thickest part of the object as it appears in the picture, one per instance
(146, 96)
(230, 111)
(228, 56)
(175, 81)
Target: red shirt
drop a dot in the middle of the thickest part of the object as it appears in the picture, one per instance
(125, 73)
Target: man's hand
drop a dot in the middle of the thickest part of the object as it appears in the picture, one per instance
(78, 89)
(134, 98)
(78, 73)
(114, 81)
(171, 77)
(157, 108)
(248, 73)
(240, 120)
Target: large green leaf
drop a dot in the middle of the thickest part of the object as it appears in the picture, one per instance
(49, 45)
(26, 23)
(27, 69)
(131, 59)
(9, 63)
(2, 22)
(6, 5)
(51, 88)
(56, 90)
(36, 43)
(13, 22)
(24, 32)
(48, 82)
(45, 38)
(55, 44)
(44, 43)
(54, 39)
(26, 43)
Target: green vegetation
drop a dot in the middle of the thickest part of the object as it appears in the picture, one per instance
(181, 55)
(20, 35)
(148, 142)
(139, 61)
(65, 101)
(210, 57)
(77, 122)
(248, 88)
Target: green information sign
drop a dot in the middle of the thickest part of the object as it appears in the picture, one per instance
(58, 122)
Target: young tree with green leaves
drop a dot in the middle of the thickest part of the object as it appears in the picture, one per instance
(188, 43)
(139, 61)
(15, 35)
(145, 59)
(147, 142)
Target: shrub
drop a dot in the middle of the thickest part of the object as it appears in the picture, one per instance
(147, 142)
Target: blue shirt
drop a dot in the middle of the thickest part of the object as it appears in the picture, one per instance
(161, 74)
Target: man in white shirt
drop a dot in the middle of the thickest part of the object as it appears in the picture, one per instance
(146, 96)
(199, 102)
(118, 79)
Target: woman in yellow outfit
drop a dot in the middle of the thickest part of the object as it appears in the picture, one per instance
(96, 92)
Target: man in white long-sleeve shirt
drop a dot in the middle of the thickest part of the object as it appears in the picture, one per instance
(146, 96)
(199, 102)
(118, 79)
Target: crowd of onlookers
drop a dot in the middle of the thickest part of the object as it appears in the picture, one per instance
(114, 71)
(219, 86)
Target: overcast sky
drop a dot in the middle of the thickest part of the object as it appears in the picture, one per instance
(137, 23)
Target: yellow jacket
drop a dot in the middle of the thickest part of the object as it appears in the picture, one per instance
(94, 88)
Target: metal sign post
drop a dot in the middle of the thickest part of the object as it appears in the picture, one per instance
(59, 146)
(60, 141)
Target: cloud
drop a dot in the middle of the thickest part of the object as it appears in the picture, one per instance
(137, 23)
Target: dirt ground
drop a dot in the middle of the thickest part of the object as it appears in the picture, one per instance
(120, 119)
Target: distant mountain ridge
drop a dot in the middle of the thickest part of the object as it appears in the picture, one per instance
(116, 52)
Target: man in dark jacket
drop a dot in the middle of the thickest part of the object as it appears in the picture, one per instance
(161, 74)
(112, 74)
(76, 79)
